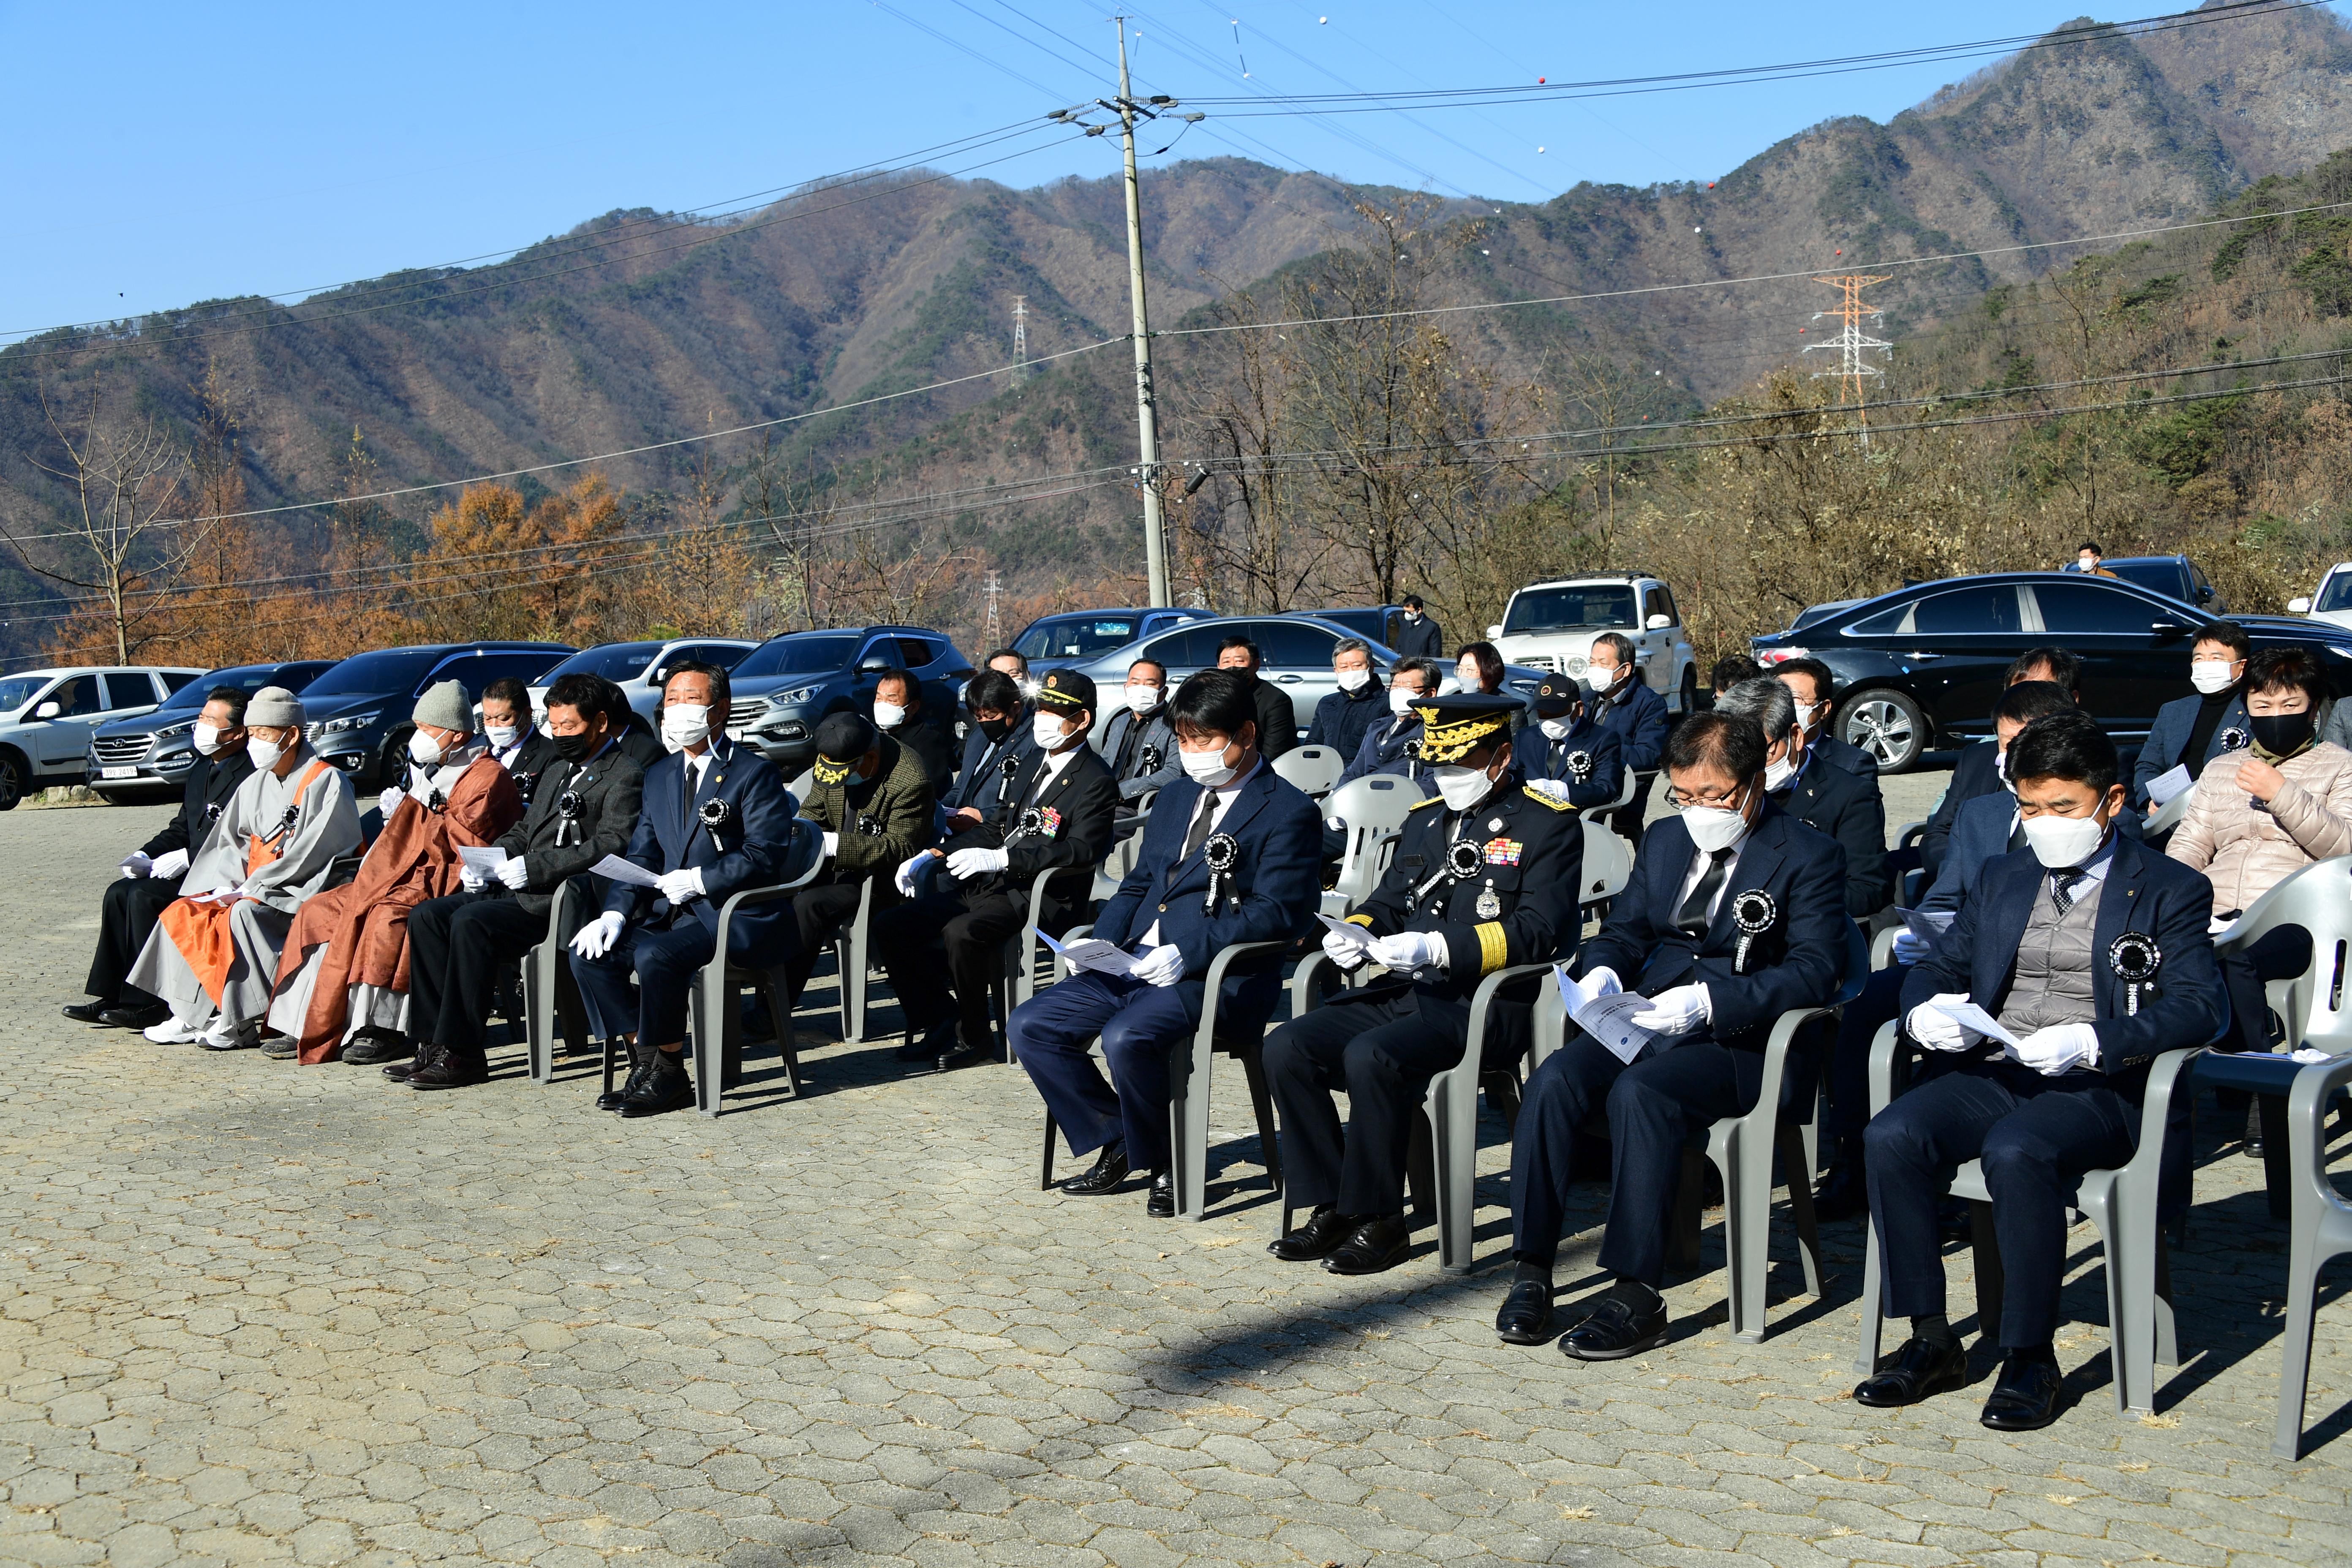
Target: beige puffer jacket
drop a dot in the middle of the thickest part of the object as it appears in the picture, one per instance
(2246, 852)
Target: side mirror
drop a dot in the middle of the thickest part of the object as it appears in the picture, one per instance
(1494, 631)
(48, 711)
(658, 677)
(2167, 629)
(2298, 606)
(1657, 623)
(873, 666)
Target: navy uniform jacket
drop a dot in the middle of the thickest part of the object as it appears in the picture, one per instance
(1850, 809)
(2167, 738)
(1972, 775)
(670, 836)
(1639, 722)
(1850, 758)
(1798, 962)
(1389, 747)
(1598, 754)
(1076, 812)
(203, 794)
(1271, 894)
(983, 775)
(1530, 855)
(1341, 721)
(2145, 892)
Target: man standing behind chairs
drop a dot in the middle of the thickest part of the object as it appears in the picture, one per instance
(1229, 856)
(460, 946)
(1060, 818)
(715, 820)
(1568, 757)
(1485, 877)
(1137, 742)
(1735, 915)
(1419, 635)
(874, 804)
(1344, 718)
(151, 873)
(1277, 720)
(1635, 714)
(515, 742)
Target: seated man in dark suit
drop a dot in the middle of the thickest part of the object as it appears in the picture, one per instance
(1485, 877)
(1135, 740)
(973, 892)
(151, 873)
(516, 744)
(1635, 714)
(1808, 681)
(1342, 718)
(1735, 915)
(2044, 946)
(1568, 757)
(999, 741)
(1228, 855)
(716, 819)
(1393, 746)
(1277, 720)
(899, 713)
(1973, 775)
(2190, 732)
(1846, 805)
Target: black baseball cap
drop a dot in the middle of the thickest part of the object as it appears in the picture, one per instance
(1554, 693)
(1072, 690)
(842, 742)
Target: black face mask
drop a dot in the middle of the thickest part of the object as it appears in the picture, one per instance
(996, 729)
(2282, 734)
(576, 747)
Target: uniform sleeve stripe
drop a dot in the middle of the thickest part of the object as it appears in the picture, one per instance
(1364, 921)
(1493, 947)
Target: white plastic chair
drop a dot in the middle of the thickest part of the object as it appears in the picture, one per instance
(1608, 864)
(2318, 897)
(1313, 769)
(2322, 1225)
(1374, 809)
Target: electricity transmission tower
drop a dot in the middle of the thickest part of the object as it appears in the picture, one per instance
(1852, 342)
(991, 633)
(1019, 338)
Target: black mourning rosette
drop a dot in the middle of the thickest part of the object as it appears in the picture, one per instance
(1580, 766)
(716, 814)
(1220, 854)
(1030, 823)
(1465, 859)
(1752, 914)
(2135, 958)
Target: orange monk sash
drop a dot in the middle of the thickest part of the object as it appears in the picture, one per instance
(200, 931)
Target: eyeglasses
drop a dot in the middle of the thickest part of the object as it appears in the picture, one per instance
(1716, 800)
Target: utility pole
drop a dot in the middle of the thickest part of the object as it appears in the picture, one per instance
(1852, 342)
(1019, 338)
(1147, 415)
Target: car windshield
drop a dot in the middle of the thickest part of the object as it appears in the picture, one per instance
(803, 652)
(19, 690)
(614, 661)
(395, 669)
(2335, 593)
(1570, 608)
(1078, 636)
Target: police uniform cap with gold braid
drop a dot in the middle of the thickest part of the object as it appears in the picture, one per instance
(1456, 724)
(1071, 690)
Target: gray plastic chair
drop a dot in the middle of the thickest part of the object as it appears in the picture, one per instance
(2123, 1202)
(1374, 808)
(1313, 769)
(551, 996)
(1608, 864)
(852, 946)
(2318, 897)
(2322, 1226)
(713, 1018)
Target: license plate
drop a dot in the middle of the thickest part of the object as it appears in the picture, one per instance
(118, 773)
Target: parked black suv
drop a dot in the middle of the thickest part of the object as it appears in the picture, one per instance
(1920, 668)
(788, 683)
(357, 714)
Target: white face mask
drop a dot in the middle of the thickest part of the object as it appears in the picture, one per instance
(423, 749)
(1714, 827)
(1468, 674)
(1809, 714)
(2060, 841)
(1777, 775)
(1049, 731)
(1412, 614)
(2001, 770)
(1603, 680)
(1354, 680)
(2211, 675)
(1207, 769)
(206, 737)
(1557, 728)
(1401, 699)
(684, 723)
(1143, 699)
(1462, 788)
(888, 715)
(265, 753)
(501, 735)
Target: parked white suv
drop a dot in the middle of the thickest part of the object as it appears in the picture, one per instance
(2331, 600)
(47, 717)
(1552, 626)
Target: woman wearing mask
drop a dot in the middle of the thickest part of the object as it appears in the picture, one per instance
(2253, 821)
(1478, 669)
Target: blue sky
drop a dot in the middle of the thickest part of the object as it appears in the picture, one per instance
(161, 154)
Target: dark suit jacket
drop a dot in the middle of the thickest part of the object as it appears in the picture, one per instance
(1798, 962)
(1639, 722)
(933, 747)
(609, 788)
(1972, 775)
(1541, 757)
(1389, 748)
(670, 836)
(1277, 720)
(1341, 721)
(640, 741)
(2145, 892)
(1423, 638)
(1156, 741)
(1979, 837)
(2167, 738)
(1850, 758)
(981, 772)
(1849, 808)
(1082, 800)
(535, 757)
(203, 794)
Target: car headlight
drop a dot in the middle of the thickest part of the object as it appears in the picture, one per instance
(348, 723)
(798, 694)
(1574, 664)
(173, 731)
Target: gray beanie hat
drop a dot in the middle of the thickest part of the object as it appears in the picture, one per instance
(274, 706)
(447, 706)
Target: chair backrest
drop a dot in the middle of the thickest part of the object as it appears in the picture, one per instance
(2318, 897)
(1313, 769)
(802, 786)
(1857, 965)
(1117, 865)
(1372, 807)
(1608, 863)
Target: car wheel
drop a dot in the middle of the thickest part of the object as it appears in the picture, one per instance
(12, 780)
(1690, 690)
(1887, 724)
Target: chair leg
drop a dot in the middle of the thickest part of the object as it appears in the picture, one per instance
(1796, 1159)
(730, 1030)
(1989, 1278)
(2278, 1173)
(1269, 1140)
(705, 1001)
(537, 1031)
(772, 989)
(1046, 1170)
(2167, 1341)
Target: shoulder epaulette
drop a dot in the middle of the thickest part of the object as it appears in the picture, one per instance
(1542, 799)
(1433, 800)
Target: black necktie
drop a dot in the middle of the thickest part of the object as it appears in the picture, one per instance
(1691, 919)
(693, 783)
(1201, 821)
(2061, 881)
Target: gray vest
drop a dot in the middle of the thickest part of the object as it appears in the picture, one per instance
(2053, 982)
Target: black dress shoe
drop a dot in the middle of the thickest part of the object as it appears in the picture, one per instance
(1844, 1192)
(641, 1062)
(1325, 1229)
(1915, 1370)
(451, 1069)
(376, 1047)
(929, 1045)
(1110, 1170)
(1379, 1243)
(2025, 1396)
(426, 1053)
(1614, 1331)
(87, 1012)
(1525, 1316)
(1162, 1204)
(126, 1017)
(666, 1087)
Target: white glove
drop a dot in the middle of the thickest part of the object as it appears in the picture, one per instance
(1347, 951)
(1163, 965)
(389, 802)
(1676, 1011)
(967, 863)
(2053, 1050)
(1407, 951)
(171, 863)
(905, 880)
(1938, 1031)
(473, 879)
(136, 864)
(1556, 788)
(1908, 949)
(832, 845)
(513, 873)
(681, 888)
(595, 938)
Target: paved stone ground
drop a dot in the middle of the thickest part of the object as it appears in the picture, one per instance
(254, 1312)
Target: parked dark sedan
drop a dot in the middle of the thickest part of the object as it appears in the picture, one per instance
(357, 713)
(1920, 668)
